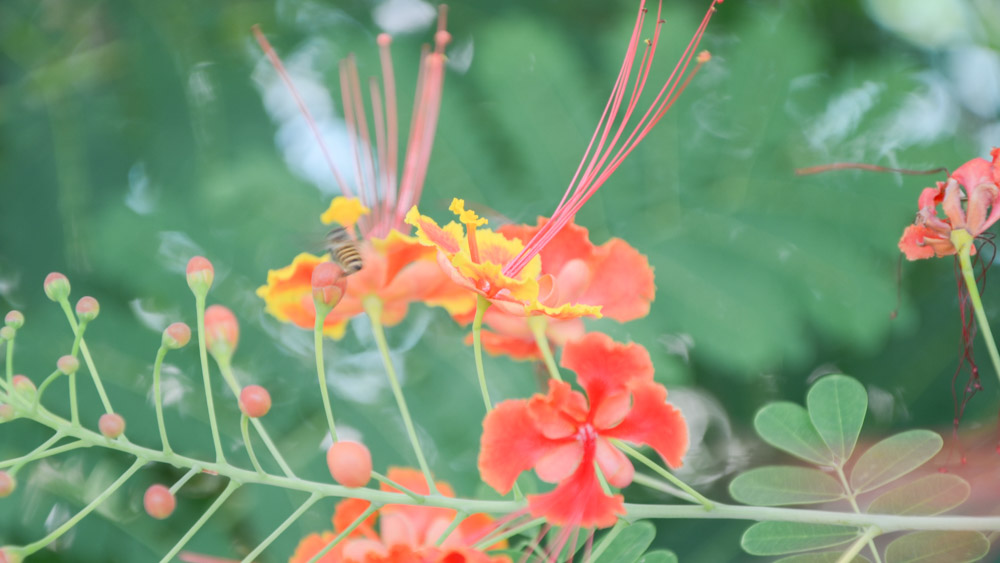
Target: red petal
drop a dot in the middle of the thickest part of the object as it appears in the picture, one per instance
(623, 282)
(604, 366)
(510, 444)
(917, 243)
(617, 469)
(560, 462)
(578, 501)
(971, 174)
(653, 422)
(347, 511)
(558, 414)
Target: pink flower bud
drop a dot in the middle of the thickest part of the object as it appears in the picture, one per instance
(7, 333)
(7, 484)
(222, 332)
(87, 309)
(14, 319)
(7, 555)
(112, 425)
(68, 365)
(6, 412)
(255, 401)
(350, 463)
(23, 385)
(328, 283)
(200, 275)
(159, 502)
(56, 286)
(177, 335)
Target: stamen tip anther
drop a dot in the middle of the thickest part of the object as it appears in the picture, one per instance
(648, 42)
(383, 39)
(704, 57)
(442, 38)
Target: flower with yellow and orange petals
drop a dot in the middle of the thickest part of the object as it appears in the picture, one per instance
(396, 269)
(399, 533)
(474, 258)
(614, 276)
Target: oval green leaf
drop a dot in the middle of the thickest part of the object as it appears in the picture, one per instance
(822, 557)
(777, 538)
(659, 556)
(778, 484)
(629, 545)
(837, 406)
(927, 496)
(937, 547)
(894, 457)
(787, 427)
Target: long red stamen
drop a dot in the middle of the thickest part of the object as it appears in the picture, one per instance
(862, 166)
(391, 158)
(598, 164)
(287, 79)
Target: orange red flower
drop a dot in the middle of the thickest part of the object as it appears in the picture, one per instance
(401, 533)
(930, 235)
(613, 276)
(561, 435)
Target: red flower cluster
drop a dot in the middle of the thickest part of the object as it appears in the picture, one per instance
(930, 235)
(562, 434)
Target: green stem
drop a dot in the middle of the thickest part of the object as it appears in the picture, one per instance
(36, 453)
(493, 538)
(857, 510)
(47, 453)
(200, 306)
(357, 522)
(859, 544)
(158, 397)
(74, 410)
(656, 484)
(86, 355)
(229, 490)
(321, 312)
(373, 307)
(244, 429)
(67, 525)
(963, 242)
(183, 480)
(383, 479)
(606, 540)
(459, 518)
(230, 378)
(45, 384)
(698, 497)
(284, 526)
(538, 324)
(477, 345)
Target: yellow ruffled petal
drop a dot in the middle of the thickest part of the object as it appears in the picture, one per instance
(565, 311)
(467, 217)
(285, 287)
(449, 239)
(344, 210)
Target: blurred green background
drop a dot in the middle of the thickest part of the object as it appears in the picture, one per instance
(136, 134)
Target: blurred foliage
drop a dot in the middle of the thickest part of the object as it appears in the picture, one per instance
(133, 135)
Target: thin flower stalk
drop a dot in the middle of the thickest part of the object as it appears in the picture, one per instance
(77, 330)
(226, 493)
(963, 242)
(477, 342)
(9, 361)
(37, 453)
(321, 368)
(600, 160)
(694, 495)
(184, 479)
(306, 505)
(537, 325)
(203, 354)
(158, 397)
(347, 531)
(245, 430)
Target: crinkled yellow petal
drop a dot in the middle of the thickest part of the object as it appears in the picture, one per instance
(520, 288)
(467, 217)
(565, 311)
(344, 210)
(449, 239)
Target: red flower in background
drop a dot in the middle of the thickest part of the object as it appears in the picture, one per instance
(398, 533)
(614, 276)
(562, 434)
(930, 235)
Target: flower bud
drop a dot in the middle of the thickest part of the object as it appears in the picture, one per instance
(200, 275)
(328, 284)
(159, 502)
(6, 412)
(255, 401)
(7, 555)
(7, 333)
(14, 319)
(222, 332)
(350, 463)
(68, 365)
(112, 425)
(23, 385)
(7, 484)
(56, 286)
(87, 309)
(177, 335)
